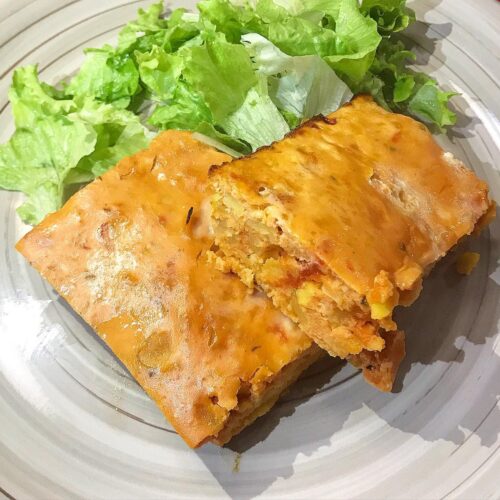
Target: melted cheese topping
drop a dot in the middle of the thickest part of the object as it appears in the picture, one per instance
(367, 193)
(128, 253)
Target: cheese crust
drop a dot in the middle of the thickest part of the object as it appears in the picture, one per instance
(339, 222)
(128, 252)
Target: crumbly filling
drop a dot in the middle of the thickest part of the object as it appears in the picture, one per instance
(261, 251)
(254, 400)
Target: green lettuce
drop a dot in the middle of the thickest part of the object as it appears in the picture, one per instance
(430, 104)
(257, 121)
(400, 88)
(187, 98)
(222, 72)
(301, 86)
(119, 133)
(31, 99)
(37, 160)
(59, 142)
(106, 76)
(160, 73)
(184, 111)
(336, 31)
(391, 16)
(148, 23)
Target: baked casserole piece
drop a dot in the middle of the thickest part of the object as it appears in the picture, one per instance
(339, 222)
(128, 254)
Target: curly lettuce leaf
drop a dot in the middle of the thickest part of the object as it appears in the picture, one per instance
(311, 89)
(390, 66)
(430, 104)
(303, 86)
(399, 88)
(391, 16)
(160, 72)
(107, 76)
(358, 41)
(185, 109)
(228, 18)
(61, 141)
(183, 28)
(336, 31)
(36, 161)
(188, 87)
(258, 121)
(32, 99)
(119, 133)
(231, 142)
(267, 58)
(147, 23)
(150, 30)
(222, 73)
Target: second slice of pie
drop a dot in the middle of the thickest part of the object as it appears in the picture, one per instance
(339, 222)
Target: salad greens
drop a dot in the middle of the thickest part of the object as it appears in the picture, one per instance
(60, 141)
(241, 72)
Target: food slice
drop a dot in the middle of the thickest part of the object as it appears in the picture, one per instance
(339, 222)
(128, 252)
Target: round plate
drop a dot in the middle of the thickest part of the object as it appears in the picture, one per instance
(74, 424)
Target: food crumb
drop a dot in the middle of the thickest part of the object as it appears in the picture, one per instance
(466, 262)
(236, 463)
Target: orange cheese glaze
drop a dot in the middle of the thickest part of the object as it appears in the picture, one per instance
(364, 191)
(439, 193)
(128, 253)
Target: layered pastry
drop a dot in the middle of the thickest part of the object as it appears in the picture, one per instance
(339, 222)
(128, 252)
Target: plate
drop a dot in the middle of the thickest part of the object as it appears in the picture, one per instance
(74, 424)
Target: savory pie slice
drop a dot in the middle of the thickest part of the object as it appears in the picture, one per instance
(128, 254)
(339, 221)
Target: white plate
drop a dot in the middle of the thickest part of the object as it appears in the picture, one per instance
(74, 424)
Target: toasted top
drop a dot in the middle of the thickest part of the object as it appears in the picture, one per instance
(127, 252)
(368, 192)
(439, 192)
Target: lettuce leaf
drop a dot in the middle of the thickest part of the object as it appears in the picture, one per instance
(222, 73)
(430, 104)
(150, 30)
(303, 86)
(399, 88)
(61, 141)
(391, 16)
(160, 72)
(148, 23)
(119, 133)
(59, 144)
(359, 40)
(31, 99)
(337, 31)
(185, 109)
(217, 133)
(107, 76)
(311, 89)
(258, 121)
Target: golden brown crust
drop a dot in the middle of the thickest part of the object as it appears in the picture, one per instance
(363, 198)
(128, 253)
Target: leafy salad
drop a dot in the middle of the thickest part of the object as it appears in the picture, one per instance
(241, 73)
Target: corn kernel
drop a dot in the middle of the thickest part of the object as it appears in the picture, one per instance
(380, 310)
(305, 293)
